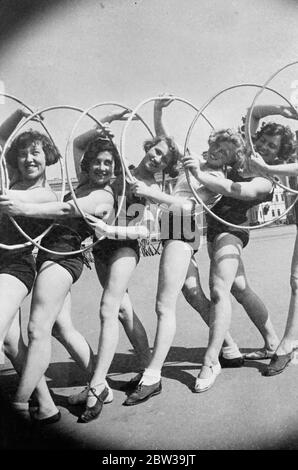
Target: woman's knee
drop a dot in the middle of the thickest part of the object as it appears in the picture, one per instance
(218, 291)
(164, 309)
(38, 330)
(108, 309)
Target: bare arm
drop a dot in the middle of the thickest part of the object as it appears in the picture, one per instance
(96, 202)
(36, 195)
(159, 126)
(259, 112)
(9, 125)
(174, 203)
(81, 142)
(258, 165)
(255, 189)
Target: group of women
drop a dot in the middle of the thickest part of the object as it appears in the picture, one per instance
(226, 170)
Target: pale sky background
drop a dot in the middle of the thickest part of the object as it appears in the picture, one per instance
(82, 52)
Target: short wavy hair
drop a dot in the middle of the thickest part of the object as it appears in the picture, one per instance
(25, 139)
(172, 168)
(218, 136)
(287, 147)
(96, 147)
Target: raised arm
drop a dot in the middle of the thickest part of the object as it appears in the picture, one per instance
(159, 127)
(9, 125)
(262, 111)
(81, 142)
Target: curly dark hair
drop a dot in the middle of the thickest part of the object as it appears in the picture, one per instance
(287, 138)
(172, 168)
(97, 146)
(25, 139)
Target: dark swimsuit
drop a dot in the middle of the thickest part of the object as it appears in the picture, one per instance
(63, 238)
(105, 249)
(234, 211)
(19, 262)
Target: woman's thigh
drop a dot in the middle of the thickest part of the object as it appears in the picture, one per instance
(52, 285)
(12, 293)
(225, 259)
(173, 267)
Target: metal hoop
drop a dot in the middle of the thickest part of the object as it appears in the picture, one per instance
(284, 187)
(198, 199)
(131, 178)
(32, 241)
(84, 113)
(5, 187)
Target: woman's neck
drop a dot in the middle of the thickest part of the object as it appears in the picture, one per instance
(30, 184)
(142, 173)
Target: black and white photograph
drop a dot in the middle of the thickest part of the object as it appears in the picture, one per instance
(148, 228)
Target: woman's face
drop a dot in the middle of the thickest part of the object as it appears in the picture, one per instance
(101, 168)
(157, 158)
(220, 154)
(268, 147)
(32, 161)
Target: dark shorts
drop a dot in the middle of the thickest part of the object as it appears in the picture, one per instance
(106, 249)
(213, 232)
(21, 266)
(62, 242)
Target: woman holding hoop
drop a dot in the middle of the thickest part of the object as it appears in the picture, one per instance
(285, 350)
(31, 152)
(56, 273)
(242, 191)
(176, 259)
(116, 260)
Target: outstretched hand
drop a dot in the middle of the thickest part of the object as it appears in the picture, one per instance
(165, 101)
(289, 112)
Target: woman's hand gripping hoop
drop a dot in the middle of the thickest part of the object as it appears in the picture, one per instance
(36, 241)
(198, 199)
(130, 178)
(4, 174)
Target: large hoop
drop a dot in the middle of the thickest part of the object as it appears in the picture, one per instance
(123, 167)
(198, 199)
(35, 242)
(276, 180)
(131, 178)
(5, 186)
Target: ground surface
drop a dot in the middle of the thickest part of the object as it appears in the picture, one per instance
(244, 410)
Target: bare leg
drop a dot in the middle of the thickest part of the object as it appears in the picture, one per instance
(16, 351)
(195, 296)
(224, 266)
(75, 343)
(254, 307)
(52, 285)
(131, 323)
(290, 337)
(173, 268)
(120, 271)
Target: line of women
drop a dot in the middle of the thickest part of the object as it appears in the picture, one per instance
(225, 171)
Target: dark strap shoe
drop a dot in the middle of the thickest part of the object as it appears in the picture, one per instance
(278, 364)
(143, 393)
(92, 412)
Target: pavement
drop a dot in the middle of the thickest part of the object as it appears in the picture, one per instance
(243, 410)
